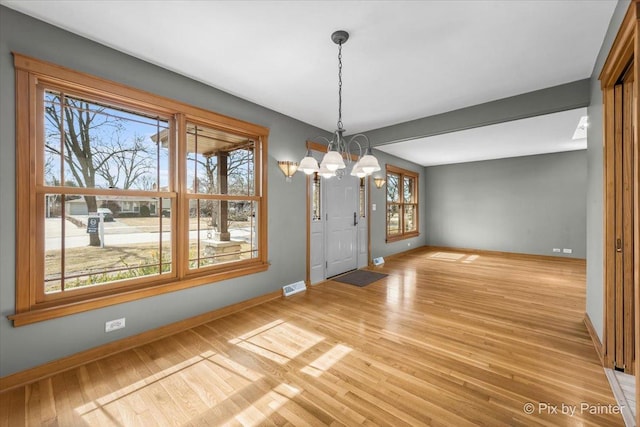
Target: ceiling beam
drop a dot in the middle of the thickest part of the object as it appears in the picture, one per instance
(545, 101)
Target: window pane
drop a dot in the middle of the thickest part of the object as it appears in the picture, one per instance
(104, 147)
(393, 188)
(125, 245)
(316, 212)
(219, 162)
(221, 231)
(393, 219)
(52, 142)
(202, 173)
(53, 231)
(362, 199)
(408, 189)
(241, 171)
(410, 218)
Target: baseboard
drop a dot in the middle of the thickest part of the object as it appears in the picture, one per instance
(484, 252)
(37, 373)
(597, 344)
(506, 254)
(400, 254)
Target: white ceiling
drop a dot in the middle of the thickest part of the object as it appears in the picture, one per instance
(550, 133)
(405, 59)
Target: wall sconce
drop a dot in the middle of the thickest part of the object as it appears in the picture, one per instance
(288, 168)
(378, 181)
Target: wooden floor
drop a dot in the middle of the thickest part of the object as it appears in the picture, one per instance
(447, 339)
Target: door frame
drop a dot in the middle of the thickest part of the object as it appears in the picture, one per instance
(616, 135)
(624, 51)
(314, 146)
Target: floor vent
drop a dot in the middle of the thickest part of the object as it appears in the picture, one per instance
(294, 288)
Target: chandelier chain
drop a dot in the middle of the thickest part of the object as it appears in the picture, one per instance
(340, 86)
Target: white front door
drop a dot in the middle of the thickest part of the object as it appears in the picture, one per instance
(342, 224)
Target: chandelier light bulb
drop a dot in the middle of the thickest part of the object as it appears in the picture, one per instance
(309, 164)
(333, 161)
(369, 163)
(357, 171)
(325, 172)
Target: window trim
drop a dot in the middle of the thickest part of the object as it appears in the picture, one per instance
(29, 74)
(402, 173)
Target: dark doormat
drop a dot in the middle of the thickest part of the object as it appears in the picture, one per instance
(360, 277)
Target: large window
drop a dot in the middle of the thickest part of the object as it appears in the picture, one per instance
(123, 194)
(402, 204)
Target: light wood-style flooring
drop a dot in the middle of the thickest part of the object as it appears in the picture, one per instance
(448, 339)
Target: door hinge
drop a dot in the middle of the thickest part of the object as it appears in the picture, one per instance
(326, 264)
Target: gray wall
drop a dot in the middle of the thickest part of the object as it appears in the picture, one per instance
(525, 204)
(595, 159)
(543, 101)
(34, 344)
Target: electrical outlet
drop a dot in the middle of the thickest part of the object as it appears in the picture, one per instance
(113, 325)
(567, 251)
(556, 250)
(373, 206)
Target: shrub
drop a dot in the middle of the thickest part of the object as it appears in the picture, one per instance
(144, 211)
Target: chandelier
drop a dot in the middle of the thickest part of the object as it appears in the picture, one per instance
(338, 149)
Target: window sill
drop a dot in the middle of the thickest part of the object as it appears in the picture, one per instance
(39, 314)
(391, 239)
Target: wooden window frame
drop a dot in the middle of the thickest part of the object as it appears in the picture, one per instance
(31, 75)
(402, 173)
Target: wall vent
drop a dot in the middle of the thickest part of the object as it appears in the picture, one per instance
(293, 288)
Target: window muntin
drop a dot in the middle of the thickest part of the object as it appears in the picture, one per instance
(83, 141)
(402, 204)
